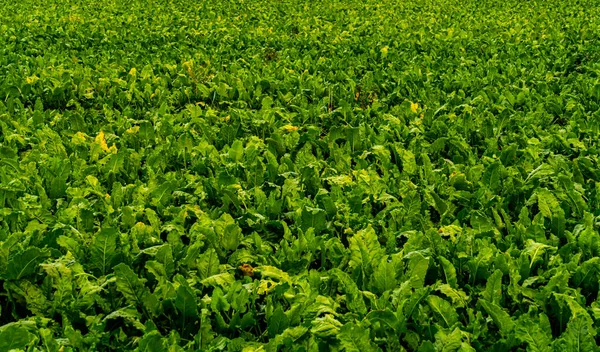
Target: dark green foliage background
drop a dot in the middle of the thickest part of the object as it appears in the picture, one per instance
(401, 175)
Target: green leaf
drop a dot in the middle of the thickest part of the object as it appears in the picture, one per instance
(161, 195)
(236, 152)
(278, 322)
(230, 234)
(579, 335)
(459, 298)
(14, 337)
(493, 288)
(444, 309)
(130, 285)
(365, 250)
(218, 301)
(315, 218)
(152, 342)
(449, 272)
(25, 263)
(547, 202)
(536, 251)
(222, 280)
(418, 265)
(273, 273)
(502, 319)
(530, 332)
(103, 251)
(208, 264)
(326, 326)
(411, 304)
(386, 317)
(355, 339)
(384, 277)
(185, 302)
(146, 131)
(409, 165)
(452, 341)
(129, 315)
(354, 297)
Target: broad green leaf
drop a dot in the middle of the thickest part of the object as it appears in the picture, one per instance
(14, 337)
(130, 285)
(536, 251)
(385, 317)
(104, 249)
(278, 322)
(354, 297)
(449, 341)
(418, 265)
(273, 273)
(449, 272)
(493, 288)
(384, 277)
(208, 264)
(152, 342)
(502, 319)
(530, 332)
(579, 335)
(547, 202)
(185, 302)
(222, 280)
(129, 315)
(365, 250)
(459, 298)
(444, 309)
(25, 263)
(355, 339)
(326, 326)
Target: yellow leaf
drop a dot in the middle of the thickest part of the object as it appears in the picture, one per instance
(101, 140)
(133, 129)
(31, 79)
(133, 71)
(265, 286)
(414, 107)
(290, 128)
(79, 138)
(384, 51)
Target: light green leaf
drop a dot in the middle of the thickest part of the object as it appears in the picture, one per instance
(365, 250)
(384, 277)
(444, 309)
(208, 264)
(493, 288)
(499, 316)
(326, 326)
(25, 263)
(13, 336)
(530, 332)
(278, 322)
(103, 250)
(355, 339)
(449, 272)
(130, 285)
(547, 202)
(223, 280)
(354, 297)
(579, 336)
(185, 302)
(418, 265)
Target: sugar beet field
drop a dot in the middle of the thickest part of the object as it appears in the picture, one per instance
(303, 176)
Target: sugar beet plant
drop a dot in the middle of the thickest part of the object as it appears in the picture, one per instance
(299, 175)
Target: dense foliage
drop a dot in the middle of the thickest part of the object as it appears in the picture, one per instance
(258, 175)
